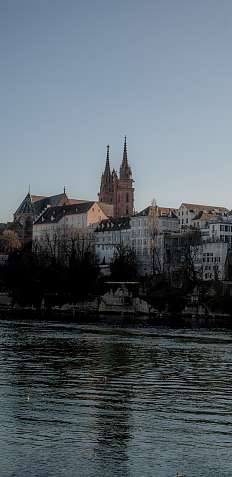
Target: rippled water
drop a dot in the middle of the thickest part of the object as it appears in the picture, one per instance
(109, 401)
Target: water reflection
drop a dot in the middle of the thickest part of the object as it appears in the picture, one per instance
(113, 410)
(104, 401)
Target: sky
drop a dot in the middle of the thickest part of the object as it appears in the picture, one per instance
(76, 75)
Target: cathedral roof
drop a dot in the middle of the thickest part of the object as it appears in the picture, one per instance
(76, 201)
(26, 206)
(34, 204)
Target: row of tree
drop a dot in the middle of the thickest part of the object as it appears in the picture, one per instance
(71, 275)
(62, 272)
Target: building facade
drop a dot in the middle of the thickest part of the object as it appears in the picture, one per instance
(189, 215)
(149, 231)
(210, 260)
(109, 235)
(59, 225)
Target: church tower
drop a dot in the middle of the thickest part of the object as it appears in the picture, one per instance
(123, 188)
(106, 188)
(118, 190)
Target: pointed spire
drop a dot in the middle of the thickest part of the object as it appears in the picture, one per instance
(125, 159)
(125, 170)
(107, 167)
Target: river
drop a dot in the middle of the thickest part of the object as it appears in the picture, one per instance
(95, 401)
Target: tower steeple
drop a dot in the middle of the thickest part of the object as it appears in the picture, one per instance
(107, 166)
(125, 170)
(106, 188)
(125, 160)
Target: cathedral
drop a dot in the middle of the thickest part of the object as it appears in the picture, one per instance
(116, 199)
(118, 190)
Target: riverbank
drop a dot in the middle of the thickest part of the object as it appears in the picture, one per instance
(87, 317)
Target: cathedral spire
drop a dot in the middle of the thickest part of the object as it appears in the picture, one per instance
(125, 159)
(106, 188)
(125, 170)
(107, 166)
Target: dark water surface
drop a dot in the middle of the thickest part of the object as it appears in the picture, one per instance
(109, 401)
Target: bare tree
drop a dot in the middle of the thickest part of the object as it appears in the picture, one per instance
(154, 232)
(9, 242)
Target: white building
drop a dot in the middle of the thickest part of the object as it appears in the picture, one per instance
(108, 235)
(188, 213)
(210, 259)
(59, 224)
(220, 229)
(148, 230)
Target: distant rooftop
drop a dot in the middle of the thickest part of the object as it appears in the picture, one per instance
(116, 223)
(55, 214)
(204, 207)
(161, 212)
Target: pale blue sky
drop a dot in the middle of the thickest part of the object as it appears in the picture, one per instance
(76, 75)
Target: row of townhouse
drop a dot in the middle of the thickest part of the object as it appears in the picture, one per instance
(145, 232)
(155, 234)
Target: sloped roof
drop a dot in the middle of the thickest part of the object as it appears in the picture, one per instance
(116, 223)
(52, 201)
(26, 206)
(55, 214)
(76, 201)
(205, 215)
(34, 204)
(108, 209)
(35, 198)
(203, 207)
(162, 212)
